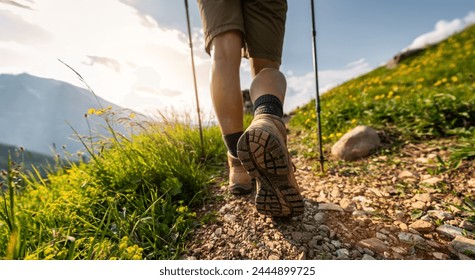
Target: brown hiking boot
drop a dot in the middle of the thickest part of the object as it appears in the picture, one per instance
(239, 181)
(263, 152)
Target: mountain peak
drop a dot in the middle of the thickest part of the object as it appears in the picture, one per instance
(37, 112)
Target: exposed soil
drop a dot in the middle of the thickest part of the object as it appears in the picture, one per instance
(399, 205)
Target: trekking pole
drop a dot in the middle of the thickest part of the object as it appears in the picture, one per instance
(194, 77)
(317, 101)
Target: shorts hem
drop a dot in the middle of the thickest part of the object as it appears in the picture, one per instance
(268, 56)
(219, 30)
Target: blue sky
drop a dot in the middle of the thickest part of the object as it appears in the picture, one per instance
(135, 52)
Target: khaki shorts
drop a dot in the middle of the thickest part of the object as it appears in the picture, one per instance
(262, 23)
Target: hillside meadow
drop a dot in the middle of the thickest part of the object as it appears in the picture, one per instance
(137, 196)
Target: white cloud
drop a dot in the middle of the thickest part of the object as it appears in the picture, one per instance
(442, 30)
(108, 43)
(301, 89)
(470, 18)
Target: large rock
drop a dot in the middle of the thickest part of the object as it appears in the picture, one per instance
(356, 144)
(411, 239)
(464, 245)
(329, 207)
(422, 226)
(374, 245)
(449, 231)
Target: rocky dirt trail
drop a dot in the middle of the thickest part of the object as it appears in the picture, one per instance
(394, 206)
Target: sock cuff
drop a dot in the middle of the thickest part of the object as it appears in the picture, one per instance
(231, 141)
(267, 98)
(268, 104)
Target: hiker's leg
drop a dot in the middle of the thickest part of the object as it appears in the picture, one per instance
(267, 79)
(225, 81)
(263, 147)
(268, 86)
(223, 27)
(228, 105)
(265, 28)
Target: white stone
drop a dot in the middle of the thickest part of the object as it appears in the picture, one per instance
(399, 250)
(449, 231)
(441, 215)
(356, 144)
(229, 218)
(440, 256)
(422, 226)
(431, 181)
(410, 238)
(424, 197)
(336, 243)
(422, 160)
(381, 236)
(368, 257)
(406, 174)
(419, 205)
(467, 225)
(329, 207)
(464, 245)
(342, 253)
(374, 244)
(225, 208)
(335, 193)
(347, 205)
(319, 217)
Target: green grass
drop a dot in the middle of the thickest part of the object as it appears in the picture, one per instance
(428, 95)
(133, 200)
(135, 197)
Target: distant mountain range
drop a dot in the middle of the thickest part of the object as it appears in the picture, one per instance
(38, 114)
(25, 159)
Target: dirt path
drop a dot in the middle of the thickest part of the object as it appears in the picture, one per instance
(384, 207)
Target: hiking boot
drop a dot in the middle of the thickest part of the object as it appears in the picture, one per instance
(239, 181)
(263, 152)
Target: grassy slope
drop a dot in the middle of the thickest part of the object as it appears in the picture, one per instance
(132, 200)
(428, 95)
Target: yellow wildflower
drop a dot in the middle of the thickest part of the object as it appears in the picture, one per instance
(454, 79)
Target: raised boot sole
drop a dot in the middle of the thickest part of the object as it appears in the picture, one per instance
(265, 159)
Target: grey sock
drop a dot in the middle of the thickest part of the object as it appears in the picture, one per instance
(231, 142)
(268, 104)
